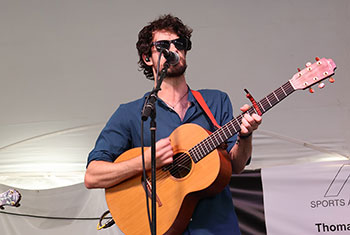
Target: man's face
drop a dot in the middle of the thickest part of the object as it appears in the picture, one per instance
(174, 70)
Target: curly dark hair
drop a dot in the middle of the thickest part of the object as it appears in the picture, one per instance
(144, 43)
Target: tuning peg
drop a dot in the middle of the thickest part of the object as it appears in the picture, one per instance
(331, 80)
(299, 72)
(308, 64)
(321, 85)
(317, 58)
(311, 90)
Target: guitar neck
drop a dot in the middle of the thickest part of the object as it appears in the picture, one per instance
(218, 137)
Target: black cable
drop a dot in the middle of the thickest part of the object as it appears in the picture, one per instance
(51, 217)
(144, 174)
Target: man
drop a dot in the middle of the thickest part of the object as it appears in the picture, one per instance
(175, 106)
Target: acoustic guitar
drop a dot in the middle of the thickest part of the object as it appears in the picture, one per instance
(200, 169)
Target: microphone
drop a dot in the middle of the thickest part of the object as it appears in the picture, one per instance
(171, 57)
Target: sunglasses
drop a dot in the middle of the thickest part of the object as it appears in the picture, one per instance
(179, 43)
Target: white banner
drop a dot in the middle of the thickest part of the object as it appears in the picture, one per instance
(312, 198)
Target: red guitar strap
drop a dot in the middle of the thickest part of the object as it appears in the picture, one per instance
(205, 107)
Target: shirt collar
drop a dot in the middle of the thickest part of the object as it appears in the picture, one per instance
(162, 103)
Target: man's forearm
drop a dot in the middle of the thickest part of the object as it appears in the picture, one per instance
(240, 153)
(101, 174)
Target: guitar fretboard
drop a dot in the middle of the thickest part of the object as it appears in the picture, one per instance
(218, 137)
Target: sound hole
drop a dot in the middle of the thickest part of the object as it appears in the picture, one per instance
(181, 165)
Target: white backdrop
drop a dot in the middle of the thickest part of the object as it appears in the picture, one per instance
(66, 65)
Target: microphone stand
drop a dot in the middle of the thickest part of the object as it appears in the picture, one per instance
(149, 110)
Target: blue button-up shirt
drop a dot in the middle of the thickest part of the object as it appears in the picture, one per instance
(213, 215)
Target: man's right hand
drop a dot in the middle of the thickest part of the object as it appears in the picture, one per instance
(102, 174)
(164, 154)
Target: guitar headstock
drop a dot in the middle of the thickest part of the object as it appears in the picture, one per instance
(314, 73)
(10, 198)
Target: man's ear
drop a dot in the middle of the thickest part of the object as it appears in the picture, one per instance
(147, 60)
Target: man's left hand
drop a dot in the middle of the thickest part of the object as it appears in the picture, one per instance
(249, 122)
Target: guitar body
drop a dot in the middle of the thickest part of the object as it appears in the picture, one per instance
(177, 193)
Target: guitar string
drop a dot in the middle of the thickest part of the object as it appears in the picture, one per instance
(266, 103)
(185, 159)
(227, 128)
(201, 149)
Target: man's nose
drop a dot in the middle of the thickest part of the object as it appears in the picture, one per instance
(172, 47)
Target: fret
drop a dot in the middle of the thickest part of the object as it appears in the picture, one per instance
(198, 152)
(266, 104)
(267, 98)
(211, 147)
(215, 140)
(201, 148)
(228, 129)
(288, 87)
(220, 139)
(276, 96)
(193, 155)
(206, 147)
(223, 136)
(233, 126)
(212, 144)
(224, 132)
(237, 122)
(261, 107)
(272, 99)
(280, 93)
(197, 156)
(283, 91)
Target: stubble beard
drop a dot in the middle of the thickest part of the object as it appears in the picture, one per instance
(177, 70)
